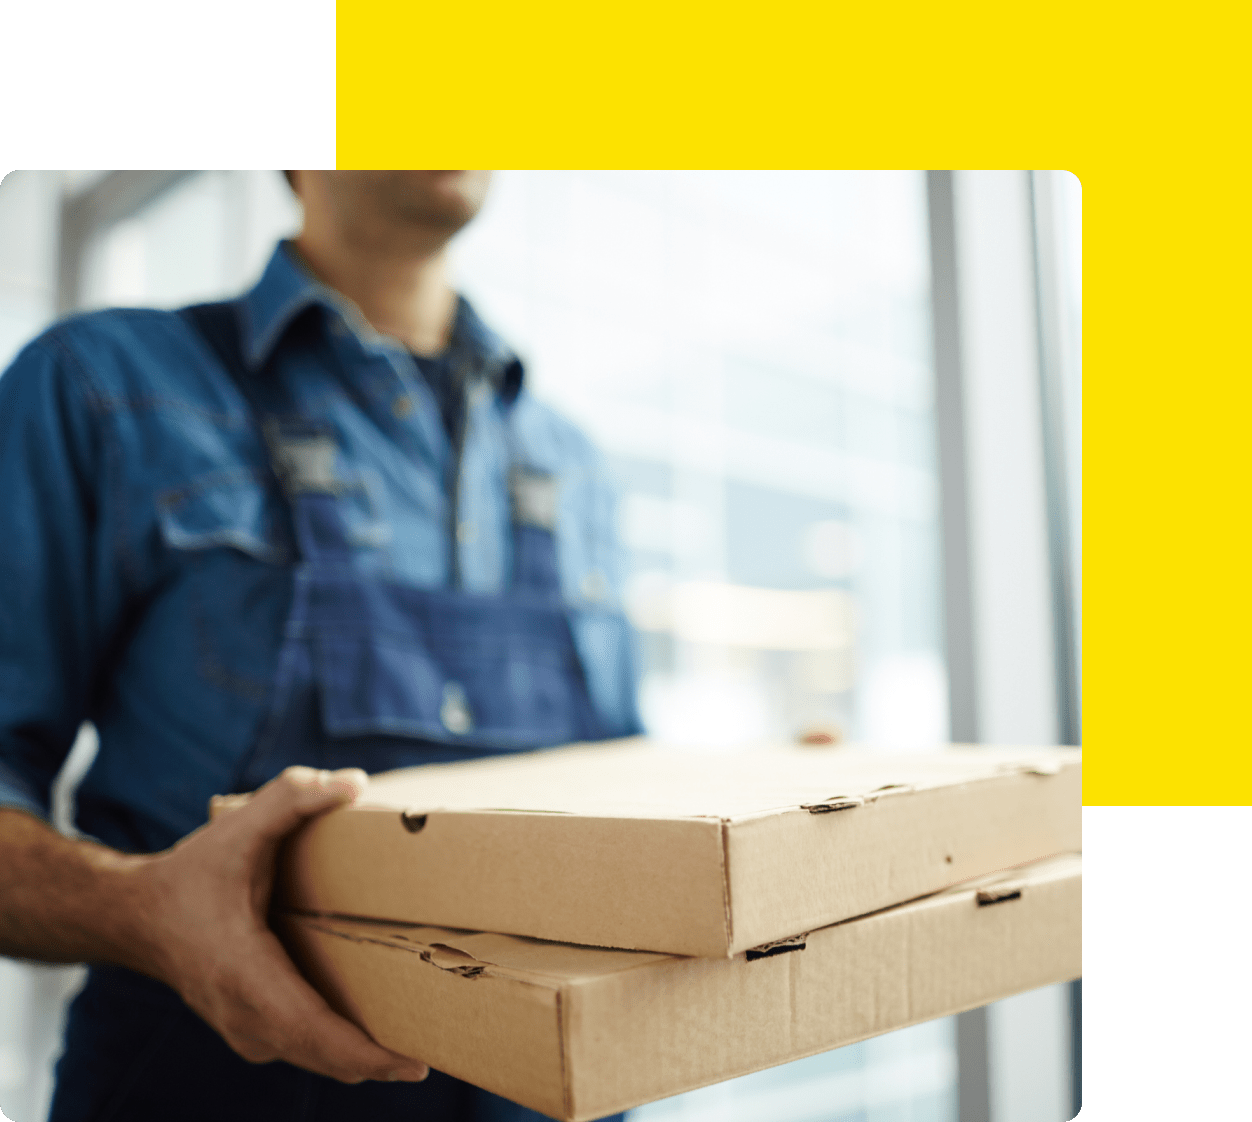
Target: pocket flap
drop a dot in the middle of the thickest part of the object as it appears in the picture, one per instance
(233, 510)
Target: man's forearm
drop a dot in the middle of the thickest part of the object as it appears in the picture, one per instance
(194, 917)
(64, 900)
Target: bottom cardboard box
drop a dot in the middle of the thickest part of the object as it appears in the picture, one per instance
(581, 1032)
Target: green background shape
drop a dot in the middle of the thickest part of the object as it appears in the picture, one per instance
(147, 84)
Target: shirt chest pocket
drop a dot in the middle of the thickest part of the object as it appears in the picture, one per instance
(228, 510)
(240, 511)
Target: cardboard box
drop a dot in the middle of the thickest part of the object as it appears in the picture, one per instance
(633, 846)
(581, 1032)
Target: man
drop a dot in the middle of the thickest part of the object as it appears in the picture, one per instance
(278, 543)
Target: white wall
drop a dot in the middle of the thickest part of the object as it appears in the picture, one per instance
(29, 208)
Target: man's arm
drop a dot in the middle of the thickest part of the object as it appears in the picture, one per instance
(194, 917)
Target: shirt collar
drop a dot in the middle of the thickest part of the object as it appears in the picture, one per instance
(287, 288)
(479, 352)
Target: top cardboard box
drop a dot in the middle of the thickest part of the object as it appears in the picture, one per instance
(638, 846)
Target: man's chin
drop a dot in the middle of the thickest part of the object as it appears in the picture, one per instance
(448, 199)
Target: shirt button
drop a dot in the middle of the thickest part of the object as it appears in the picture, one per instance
(401, 407)
(454, 713)
(595, 586)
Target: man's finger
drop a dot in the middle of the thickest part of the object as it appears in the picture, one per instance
(220, 805)
(325, 1042)
(315, 1037)
(298, 793)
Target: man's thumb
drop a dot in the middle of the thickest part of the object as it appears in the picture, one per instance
(285, 801)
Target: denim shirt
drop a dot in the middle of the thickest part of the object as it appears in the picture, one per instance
(128, 456)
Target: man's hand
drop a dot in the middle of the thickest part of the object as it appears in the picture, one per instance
(212, 944)
(194, 917)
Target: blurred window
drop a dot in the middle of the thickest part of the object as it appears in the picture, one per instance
(752, 350)
(204, 239)
(29, 202)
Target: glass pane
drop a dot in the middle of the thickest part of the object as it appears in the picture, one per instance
(752, 350)
(204, 239)
(906, 1076)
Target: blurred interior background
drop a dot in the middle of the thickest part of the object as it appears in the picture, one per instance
(844, 412)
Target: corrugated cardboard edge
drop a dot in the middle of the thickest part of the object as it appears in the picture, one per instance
(562, 1020)
(341, 957)
(594, 1003)
(1004, 890)
(321, 870)
(625, 882)
(1049, 836)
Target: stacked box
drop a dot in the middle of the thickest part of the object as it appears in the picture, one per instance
(760, 907)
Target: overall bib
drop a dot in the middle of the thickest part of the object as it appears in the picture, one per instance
(372, 673)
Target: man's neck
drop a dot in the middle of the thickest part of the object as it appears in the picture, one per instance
(404, 295)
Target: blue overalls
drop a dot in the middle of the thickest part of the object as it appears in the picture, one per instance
(372, 673)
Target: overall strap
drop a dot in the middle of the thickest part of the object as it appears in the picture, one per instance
(301, 452)
(533, 497)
